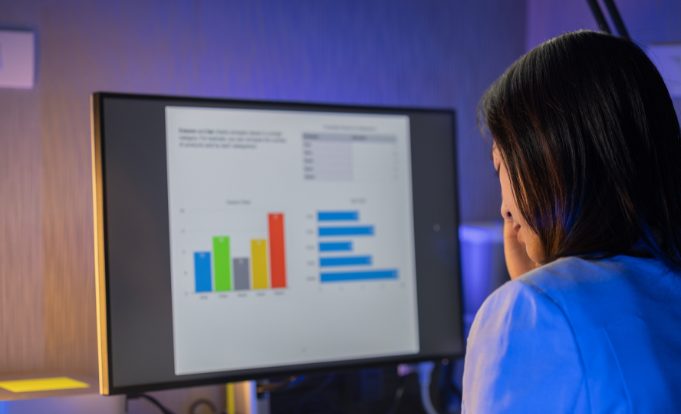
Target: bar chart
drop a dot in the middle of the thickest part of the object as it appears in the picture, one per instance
(339, 259)
(219, 271)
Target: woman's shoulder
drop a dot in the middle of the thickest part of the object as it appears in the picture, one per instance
(597, 302)
(574, 282)
(575, 328)
(573, 272)
(550, 285)
(522, 356)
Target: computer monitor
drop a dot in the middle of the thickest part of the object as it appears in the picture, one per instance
(243, 239)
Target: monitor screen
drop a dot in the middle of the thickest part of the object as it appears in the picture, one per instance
(244, 239)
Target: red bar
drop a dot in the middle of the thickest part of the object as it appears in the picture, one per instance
(277, 250)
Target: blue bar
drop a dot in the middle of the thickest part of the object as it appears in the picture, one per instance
(358, 276)
(335, 246)
(346, 231)
(337, 216)
(345, 261)
(202, 273)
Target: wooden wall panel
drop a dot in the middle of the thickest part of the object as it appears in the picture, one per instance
(21, 318)
(69, 294)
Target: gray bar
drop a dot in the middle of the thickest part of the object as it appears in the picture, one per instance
(390, 139)
(242, 277)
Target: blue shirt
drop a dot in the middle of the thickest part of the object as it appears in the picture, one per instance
(579, 336)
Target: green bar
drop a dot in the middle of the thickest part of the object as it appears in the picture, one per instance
(222, 264)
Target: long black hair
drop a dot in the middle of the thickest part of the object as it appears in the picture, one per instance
(588, 132)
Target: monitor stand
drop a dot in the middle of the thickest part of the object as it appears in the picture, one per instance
(242, 398)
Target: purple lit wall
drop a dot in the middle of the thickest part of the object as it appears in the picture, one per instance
(648, 22)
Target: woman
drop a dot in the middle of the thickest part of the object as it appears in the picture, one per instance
(588, 152)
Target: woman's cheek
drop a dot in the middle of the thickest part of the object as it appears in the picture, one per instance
(534, 249)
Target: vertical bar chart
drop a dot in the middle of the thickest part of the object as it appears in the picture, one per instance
(277, 250)
(262, 265)
(202, 272)
(242, 273)
(259, 264)
(338, 232)
(223, 270)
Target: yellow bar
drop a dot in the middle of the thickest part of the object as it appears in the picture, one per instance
(259, 264)
(42, 384)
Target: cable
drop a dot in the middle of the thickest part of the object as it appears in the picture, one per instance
(149, 398)
(425, 371)
(449, 387)
(399, 393)
(616, 19)
(286, 384)
(327, 380)
(598, 15)
(202, 401)
(450, 371)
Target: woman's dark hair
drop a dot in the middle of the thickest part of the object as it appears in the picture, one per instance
(588, 132)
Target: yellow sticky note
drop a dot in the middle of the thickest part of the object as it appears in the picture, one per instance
(42, 384)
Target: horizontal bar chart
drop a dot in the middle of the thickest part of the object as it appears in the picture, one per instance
(337, 216)
(346, 231)
(345, 261)
(338, 260)
(335, 246)
(355, 276)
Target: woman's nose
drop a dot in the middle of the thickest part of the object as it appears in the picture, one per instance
(506, 213)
